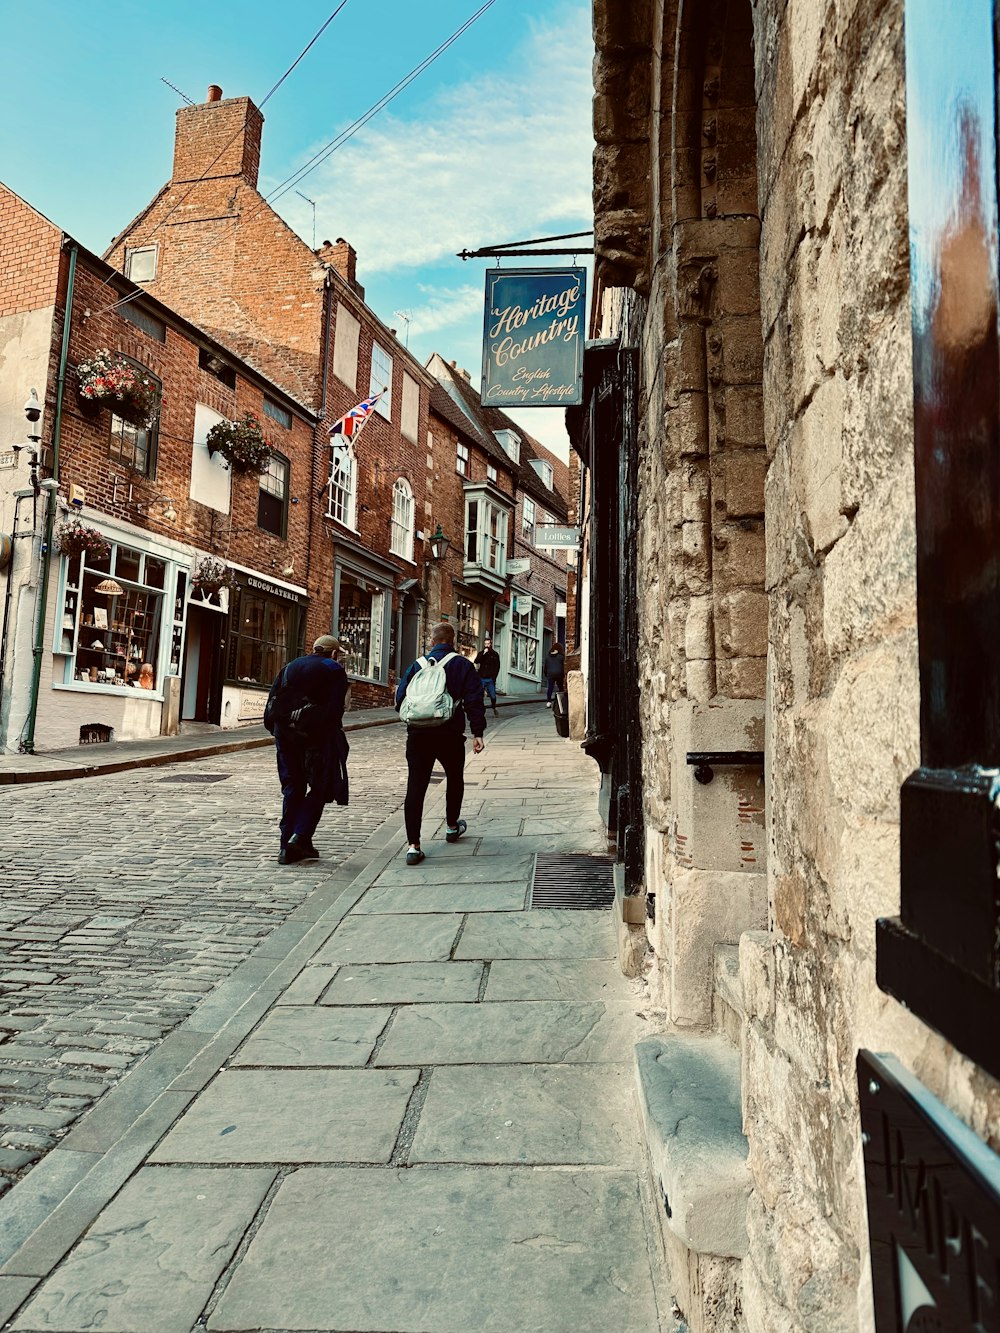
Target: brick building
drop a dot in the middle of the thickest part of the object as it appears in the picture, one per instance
(211, 245)
(158, 497)
(508, 487)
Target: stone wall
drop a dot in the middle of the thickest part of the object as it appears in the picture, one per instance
(774, 328)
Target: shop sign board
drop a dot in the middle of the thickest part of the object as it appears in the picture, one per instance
(548, 534)
(518, 566)
(933, 1190)
(273, 589)
(533, 337)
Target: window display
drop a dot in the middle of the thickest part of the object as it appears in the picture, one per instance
(110, 625)
(468, 615)
(261, 637)
(526, 635)
(360, 619)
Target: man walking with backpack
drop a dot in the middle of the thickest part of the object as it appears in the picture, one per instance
(433, 699)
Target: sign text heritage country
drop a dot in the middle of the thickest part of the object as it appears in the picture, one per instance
(533, 337)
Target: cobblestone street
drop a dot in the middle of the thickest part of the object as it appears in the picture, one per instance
(127, 898)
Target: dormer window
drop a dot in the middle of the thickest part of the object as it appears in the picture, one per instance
(544, 471)
(510, 442)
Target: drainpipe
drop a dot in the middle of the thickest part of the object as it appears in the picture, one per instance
(28, 744)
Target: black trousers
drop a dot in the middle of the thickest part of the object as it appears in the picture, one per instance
(423, 747)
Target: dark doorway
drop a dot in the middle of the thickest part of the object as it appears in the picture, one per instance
(409, 638)
(201, 684)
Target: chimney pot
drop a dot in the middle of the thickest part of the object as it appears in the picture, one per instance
(214, 93)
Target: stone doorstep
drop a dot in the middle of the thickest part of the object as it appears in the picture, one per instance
(689, 1095)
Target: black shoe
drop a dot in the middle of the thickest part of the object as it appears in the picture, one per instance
(303, 846)
(290, 855)
(453, 834)
(414, 856)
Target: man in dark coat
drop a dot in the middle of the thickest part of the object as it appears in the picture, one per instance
(305, 712)
(444, 743)
(555, 672)
(487, 663)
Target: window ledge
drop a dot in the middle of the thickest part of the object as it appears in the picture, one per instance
(122, 691)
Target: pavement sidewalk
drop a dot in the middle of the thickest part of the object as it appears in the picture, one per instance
(119, 756)
(410, 1110)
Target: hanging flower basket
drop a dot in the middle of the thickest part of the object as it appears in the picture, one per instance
(75, 538)
(211, 575)
(110, 380)
(241, 443)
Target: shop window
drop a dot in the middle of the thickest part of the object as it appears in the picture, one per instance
(401, 542)
(260, 638)
(382, 379)
(360, 622)
(341, 491)
(462, 459)
(469, 620)
(272, 497)
(112, 637)
(525, 637)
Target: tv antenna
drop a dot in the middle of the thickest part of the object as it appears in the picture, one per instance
(405, 316)
(183, 96)
(312, 204)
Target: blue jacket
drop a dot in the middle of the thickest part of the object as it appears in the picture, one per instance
(464, 685)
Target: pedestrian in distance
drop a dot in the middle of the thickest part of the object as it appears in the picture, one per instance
(555, 672)
(487, 663)
(305, 713)
(434, 698)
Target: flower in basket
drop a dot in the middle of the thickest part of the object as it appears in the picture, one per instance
(241, 443)
(75, 538)
(110, 380)
(212, 574)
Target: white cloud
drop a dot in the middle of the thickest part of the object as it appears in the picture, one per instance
(445, 308)
(499, 159)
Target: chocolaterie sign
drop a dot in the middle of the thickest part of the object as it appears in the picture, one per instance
(533, 337)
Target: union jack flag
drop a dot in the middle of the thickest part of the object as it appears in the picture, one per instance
(351, 422)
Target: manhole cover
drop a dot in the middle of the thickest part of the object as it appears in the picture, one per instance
(572, 880)
(196, 777)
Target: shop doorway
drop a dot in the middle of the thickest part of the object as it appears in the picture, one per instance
(409, 638)
(201, 684)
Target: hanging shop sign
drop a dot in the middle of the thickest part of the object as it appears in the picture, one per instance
(533, 337)
(933, 1190)
(518, 566)
(547, 534)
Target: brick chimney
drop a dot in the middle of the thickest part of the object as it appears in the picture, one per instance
(218, 138)
(343, 259)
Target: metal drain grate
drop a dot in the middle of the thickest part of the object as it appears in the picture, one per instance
(197, 777)
(562, 880)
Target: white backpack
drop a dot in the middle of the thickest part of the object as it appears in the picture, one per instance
(427, 702)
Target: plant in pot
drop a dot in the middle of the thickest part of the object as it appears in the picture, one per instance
(110, 380)
(75, 538)
(212, 574)
(241, 443)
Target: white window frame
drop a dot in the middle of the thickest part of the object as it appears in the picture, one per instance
(381, 378)
(141, 250)
(342, 488)
(487, 541)
(510, 442)
(401, 529)
(526, 639)
(462, 459)
(528, 518)
(491, 473)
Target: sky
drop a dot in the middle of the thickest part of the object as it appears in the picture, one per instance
(492, 143)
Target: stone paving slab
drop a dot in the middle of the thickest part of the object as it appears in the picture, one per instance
(304, 1037)
(447, 1249)
(405, 983)
(391, 939)
(546, 1032)
(449, 897)
(538, 934)
(556, 979)
(533, 1114)
(293, 1115)
(497, 870)
(150, 1261)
